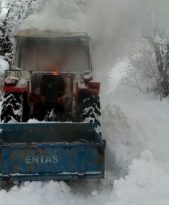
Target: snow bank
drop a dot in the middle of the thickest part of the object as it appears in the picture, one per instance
(136, 127)
(134, 122)
(37, 193)
(147, 183)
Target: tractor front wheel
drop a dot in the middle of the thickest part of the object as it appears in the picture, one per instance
(89, 107)
(12, 107)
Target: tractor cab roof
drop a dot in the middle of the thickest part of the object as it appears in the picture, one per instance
(33, 33)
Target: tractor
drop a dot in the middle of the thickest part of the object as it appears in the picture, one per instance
(50, 119)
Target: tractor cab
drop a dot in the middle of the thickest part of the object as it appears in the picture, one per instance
(52, 51)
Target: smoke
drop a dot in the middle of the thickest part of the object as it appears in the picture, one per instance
(113, 25)
(56, 15)
(116, 26)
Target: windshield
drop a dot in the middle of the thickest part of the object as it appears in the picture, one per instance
(65, 55)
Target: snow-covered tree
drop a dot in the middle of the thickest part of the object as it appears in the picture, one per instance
(12, 13)
(150, 60)
(161, 51)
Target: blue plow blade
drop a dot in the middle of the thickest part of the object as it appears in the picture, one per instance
(50, 151)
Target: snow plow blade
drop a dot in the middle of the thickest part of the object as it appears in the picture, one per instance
(50, 151)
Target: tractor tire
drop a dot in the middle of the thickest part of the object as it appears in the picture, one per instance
(89, 108)
(12, 107)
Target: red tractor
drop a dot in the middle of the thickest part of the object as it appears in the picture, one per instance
(51, 79)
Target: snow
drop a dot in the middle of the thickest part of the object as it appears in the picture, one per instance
(3, 65)
(146, 183)
(11, 79)
(137, 130)
(33, 121)
(22, 83)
